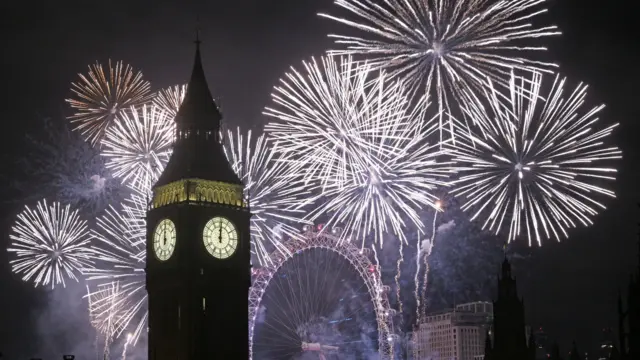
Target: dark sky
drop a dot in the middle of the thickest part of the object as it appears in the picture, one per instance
(248, 44)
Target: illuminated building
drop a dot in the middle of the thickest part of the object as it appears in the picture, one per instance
(457, 334)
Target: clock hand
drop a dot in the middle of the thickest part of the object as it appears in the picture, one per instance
(220, 236)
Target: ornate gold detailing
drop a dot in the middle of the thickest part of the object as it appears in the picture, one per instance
(198, 191)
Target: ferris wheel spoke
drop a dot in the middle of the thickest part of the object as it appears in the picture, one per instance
(320, 292)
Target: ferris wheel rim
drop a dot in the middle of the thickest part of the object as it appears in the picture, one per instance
(356, 258)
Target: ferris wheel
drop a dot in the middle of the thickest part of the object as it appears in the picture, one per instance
(320, 297)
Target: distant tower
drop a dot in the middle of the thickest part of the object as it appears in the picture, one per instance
(509, 331)
(198, 249)
(630, 334)
(633, 313)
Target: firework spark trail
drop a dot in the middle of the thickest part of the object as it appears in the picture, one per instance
(121, 253)
(106, 352)
(416, 279)
(375, 255)
(361, 147)
(426, 255)
(50, 243)
(170, 99)
(96, 341)
(138, 146)
(126, 346)
(531, 165)
(100, 98)
(440, 48)
(272, 189)
(424, 285)
(398, 275)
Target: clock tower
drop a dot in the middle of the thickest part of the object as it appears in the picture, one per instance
(198, 250)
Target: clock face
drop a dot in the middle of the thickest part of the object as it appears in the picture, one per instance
(164, 239)
(220, 237)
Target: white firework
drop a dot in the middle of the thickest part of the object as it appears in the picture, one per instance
(363, 151)
(121, 256)
(328, 114)
(386, 197)
(104, 307)
(273, 192)
(170, 99)
(533, 166)
(50, 243)
(139, 145)
(442, 47)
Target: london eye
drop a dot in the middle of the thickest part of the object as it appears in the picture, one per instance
(321, 299)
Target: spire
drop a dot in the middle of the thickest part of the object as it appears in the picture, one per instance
(197, 33)
(639, 249)
(574, 354)
(622, 315)
(506, 268)
(198, 110)
(555, 352)
(197, 151)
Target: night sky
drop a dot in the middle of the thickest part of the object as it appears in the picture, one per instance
(247, 45)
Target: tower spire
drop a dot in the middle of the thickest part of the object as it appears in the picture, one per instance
(198, 32)
(197, 133)
(639, 249)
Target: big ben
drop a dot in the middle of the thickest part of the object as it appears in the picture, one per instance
(198, 247)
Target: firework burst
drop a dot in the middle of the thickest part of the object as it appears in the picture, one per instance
(531, 165)
(100, 98)
(386, 197)
(170, 99)
(51, 244)
(327, 115)
(121, 256)
(272, 189)
(442, 47)
(362, 149)
(139, 145)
